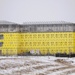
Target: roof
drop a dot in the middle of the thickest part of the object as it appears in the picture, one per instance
(36, 23)
(50, 22)
(6, 22)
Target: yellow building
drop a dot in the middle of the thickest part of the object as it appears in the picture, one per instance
(42, 38)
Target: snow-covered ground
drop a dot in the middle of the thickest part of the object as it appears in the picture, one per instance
(37, 65)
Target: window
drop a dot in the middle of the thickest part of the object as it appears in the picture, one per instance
(38, 43)
(34, 43)
(65, 43)
(60, 43)
(61, 35)
(65, 35)
(43, 35)
(52, 35)
(70, 35)
(1, 44)
(52, 43)
(47, 35)
(56, 35)
(43, 43)
(25, 36)
(39, 36)
(56, 43)
(47, 43)
(1, 36)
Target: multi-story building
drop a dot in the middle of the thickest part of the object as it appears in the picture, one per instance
(37, 38)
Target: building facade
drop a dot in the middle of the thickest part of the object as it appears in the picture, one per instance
(40, 38)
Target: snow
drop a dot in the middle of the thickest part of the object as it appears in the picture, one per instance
(37, 65)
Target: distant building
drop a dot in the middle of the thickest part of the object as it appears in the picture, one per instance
(41, 38)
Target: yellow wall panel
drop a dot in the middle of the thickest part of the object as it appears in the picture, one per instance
(53, 42)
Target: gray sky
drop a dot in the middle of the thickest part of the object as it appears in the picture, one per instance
(37, 10)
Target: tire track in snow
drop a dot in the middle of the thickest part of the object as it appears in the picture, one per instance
(34, 68)
(25, 67)
(49, 71)
(39, 70)
(66, 65)
(69, 72)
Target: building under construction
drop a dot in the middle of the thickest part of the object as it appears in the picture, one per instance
(37, 38)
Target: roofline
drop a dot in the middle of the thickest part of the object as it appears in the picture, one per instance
(52, 22)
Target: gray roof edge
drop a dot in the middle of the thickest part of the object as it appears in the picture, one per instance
(6, 22)
(49, 22)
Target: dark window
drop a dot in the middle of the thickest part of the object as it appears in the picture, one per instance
(1, 44)
(1, 36)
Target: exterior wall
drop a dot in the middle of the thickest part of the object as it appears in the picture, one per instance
(53, 42)
(52, 39)
(10, 43)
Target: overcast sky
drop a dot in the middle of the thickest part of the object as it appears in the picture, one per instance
(37, 10)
